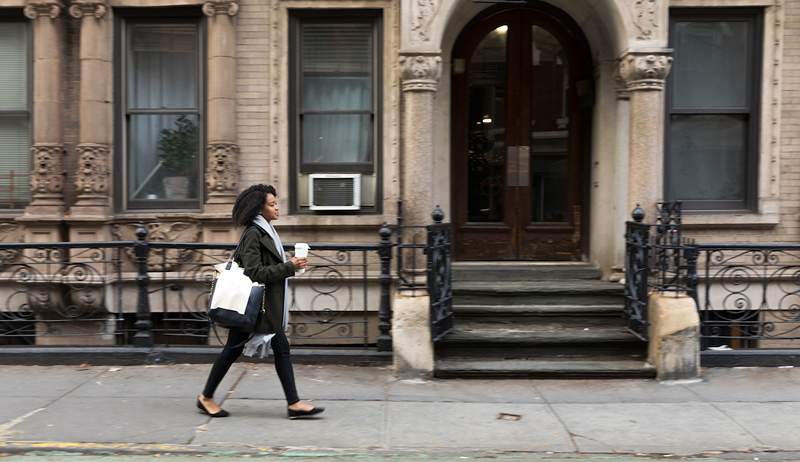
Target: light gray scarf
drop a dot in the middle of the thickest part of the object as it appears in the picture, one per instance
(259, 344)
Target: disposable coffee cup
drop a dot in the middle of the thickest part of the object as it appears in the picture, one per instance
(301, 251)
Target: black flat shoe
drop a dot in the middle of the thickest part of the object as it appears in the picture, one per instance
(221, 413)
(301, 414)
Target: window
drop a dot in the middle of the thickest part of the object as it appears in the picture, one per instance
(712, 122)
(161, 98)
(15, 119)
(335, 90)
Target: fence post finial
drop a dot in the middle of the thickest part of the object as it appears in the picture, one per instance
(638, 213)
(437, 214)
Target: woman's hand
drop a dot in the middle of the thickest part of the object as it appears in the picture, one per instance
(299, 263)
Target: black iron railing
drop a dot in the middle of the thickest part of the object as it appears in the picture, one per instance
(439, 275)
(144, 293)
(748, 295)
(657, 258)
(424, 264)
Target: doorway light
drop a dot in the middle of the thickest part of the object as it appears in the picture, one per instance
(502, 29)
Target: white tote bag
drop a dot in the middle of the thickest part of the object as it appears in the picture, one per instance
(231, 289)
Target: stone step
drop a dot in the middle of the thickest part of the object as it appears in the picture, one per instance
(568, 292)
(565, 351)
(589, 367)
(462, 311)
(523, 271)
(519, 333)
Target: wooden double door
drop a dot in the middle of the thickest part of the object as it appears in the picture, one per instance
(522, 96)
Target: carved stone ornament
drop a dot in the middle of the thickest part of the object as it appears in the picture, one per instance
(645, 71)
(161, 259)
(82, 8)
(645, 17)
(51, 9)
(222, 176)
(424, 13)
(216, 7)
(47, 176)
(92, 176)
(420, 72)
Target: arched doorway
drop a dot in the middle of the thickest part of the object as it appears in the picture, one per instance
(521, 116)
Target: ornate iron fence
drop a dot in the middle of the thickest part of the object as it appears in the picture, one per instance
(748, 295)
(431, 245)
(145, 293)
(657, 257)
(439, 272)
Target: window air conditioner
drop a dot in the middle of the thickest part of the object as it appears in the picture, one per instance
(328, 191)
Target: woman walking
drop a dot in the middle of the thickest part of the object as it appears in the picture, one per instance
(261, 255)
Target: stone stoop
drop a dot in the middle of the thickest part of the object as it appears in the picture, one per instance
(521, 320)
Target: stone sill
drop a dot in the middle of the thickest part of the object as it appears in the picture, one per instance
(728, 220)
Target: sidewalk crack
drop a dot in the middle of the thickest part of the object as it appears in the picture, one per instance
(558, 417)
(6, 427)
(225, 397)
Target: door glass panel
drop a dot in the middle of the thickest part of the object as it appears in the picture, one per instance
(549, 128)
(486, 129)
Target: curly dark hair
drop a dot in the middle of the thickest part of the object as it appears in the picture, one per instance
(250, 202)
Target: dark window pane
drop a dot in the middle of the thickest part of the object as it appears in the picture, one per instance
(13, 66)
(486, 129)
(711, 67)
(162, 66)
(707, 159)
(15, 161)
(163, 157)
(332, 138)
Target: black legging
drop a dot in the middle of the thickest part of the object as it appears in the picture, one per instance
(233, 349)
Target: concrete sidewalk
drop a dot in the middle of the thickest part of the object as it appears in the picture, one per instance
(731, 410)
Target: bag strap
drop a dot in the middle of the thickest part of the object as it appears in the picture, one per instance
(233, 254)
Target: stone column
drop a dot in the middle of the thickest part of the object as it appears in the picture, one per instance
(644, 72)
(420, 75)
(92, 180)
(411, 335)
(222, 171)
(47, 173)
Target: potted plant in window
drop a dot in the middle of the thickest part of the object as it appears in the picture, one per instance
(177, 149)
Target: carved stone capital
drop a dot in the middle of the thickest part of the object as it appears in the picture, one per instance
(81, 8)
(215, 7)
(47, 175)
(645, 70)
(43, 8)
(91, 179)
(222, 176)
(420, 72)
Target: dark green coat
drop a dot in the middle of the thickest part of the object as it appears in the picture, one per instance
(259, 257)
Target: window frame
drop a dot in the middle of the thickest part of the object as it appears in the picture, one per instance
(752, 110)
(13, 15)
(124, 17)
(371, 16)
